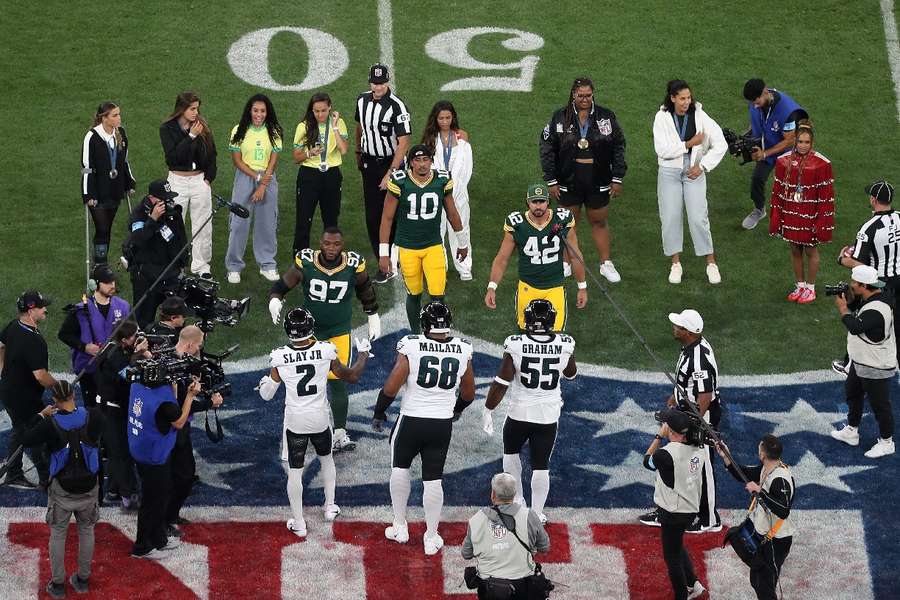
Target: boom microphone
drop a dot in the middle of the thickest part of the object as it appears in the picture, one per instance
(235, 209)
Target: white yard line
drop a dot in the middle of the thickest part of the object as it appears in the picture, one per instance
(893, 47)
(386, 37)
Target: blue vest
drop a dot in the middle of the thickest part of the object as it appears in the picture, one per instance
(67, 422)
(95, 329)
(148, 446)
(772, 129)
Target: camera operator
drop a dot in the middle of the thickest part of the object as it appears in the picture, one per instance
(184, 468)
(157, 236)
(773, 120)
(125, 349)
(772, 485)
(873, 358)
(678, 468)
(172, 313)
(504, 563)
(87, 327)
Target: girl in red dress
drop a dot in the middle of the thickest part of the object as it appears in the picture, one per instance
(802, 210)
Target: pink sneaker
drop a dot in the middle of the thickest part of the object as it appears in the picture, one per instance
(807, 296)
(795, 295)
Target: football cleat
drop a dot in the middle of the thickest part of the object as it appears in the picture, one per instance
(398, 533)
(433, 544)
(296, 527)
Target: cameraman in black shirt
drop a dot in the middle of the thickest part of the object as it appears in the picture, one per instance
(172, 313)
(157, 236)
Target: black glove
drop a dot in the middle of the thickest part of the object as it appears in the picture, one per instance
(378, 420)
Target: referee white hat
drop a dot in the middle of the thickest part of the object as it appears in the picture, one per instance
(688, 319)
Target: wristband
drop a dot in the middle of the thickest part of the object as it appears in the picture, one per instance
(258, 177)
(659, 437)
(492, 285)
(384, 250)
(193, 136)
(582, 285)
(501, 381)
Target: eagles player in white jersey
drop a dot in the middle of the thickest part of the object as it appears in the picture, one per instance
(530, 370)
(303, 366)
(440, 383)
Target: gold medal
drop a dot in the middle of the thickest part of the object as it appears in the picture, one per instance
(583, 144)
(798, 196)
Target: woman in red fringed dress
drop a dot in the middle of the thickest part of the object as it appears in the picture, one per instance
(802, 210)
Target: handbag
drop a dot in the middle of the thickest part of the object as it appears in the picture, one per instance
(539, 587)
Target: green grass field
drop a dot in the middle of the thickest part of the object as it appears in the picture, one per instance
(61, 59)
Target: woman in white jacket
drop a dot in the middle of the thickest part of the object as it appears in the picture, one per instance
(452, 152)
(688, 145)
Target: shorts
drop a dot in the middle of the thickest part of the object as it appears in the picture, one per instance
(295, 445)
(428, 438)
(541, 438)
(342, 342)
(584, 192)
(556, 295)
(426, 265)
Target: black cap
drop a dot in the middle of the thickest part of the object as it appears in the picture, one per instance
(378, 73)
(882, 191)
(103, 274)
(418, 150)
(173, 306)
(32, 299)
(753, 89)
(160, 189)
(675, 419)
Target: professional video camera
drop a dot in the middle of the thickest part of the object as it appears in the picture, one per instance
(741, 145)
(839, 289)
(699, 433)
(168, 368)
(202, 295)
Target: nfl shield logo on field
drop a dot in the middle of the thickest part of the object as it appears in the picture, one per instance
(604, 126)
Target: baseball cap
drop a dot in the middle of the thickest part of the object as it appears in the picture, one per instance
(881, 190)
(32, 299)
(537, 191)
(173, 306)
(866, 275)
(103, 274)
(160, 189)
(688, 319)
(675, 419)
(378, 73)
(418, 150)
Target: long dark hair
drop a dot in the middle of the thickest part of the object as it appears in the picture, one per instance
(569, 115)
(272, 124)
(312, 126)
(429, 135)
(104, 109)
(182, 102)
(672, 89)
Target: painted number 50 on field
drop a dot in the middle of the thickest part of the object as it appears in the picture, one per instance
(248, 58)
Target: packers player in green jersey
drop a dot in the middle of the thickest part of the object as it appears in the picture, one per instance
(328, 275)
(536, 235)
(417, 198)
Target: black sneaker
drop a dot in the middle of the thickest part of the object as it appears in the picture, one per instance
(695, 527)
(173, 531)
(112, 498)
(78, 584)
(651, 518)
(382, 277)
(840, 367)
(181, 521)
(19, 482)
(56, 590)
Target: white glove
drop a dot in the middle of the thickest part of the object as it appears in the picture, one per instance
(275, 306)
(374, 326)
(267, 388)
(363, 345)
(487, 420)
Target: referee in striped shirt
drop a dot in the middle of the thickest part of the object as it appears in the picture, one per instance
(696, 381)
(878, 245)
(382, 139)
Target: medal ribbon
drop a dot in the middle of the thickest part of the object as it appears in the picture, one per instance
(324, 140)
(683, 131)
(584, 129)
(113, 152)
(448, 149)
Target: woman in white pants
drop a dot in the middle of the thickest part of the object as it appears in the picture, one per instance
(452, 153)
(688, 145)
(190, 154)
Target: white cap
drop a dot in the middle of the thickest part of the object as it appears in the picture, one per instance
(688, 319)
(866, 275)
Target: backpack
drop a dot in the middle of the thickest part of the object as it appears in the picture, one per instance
(76, 465)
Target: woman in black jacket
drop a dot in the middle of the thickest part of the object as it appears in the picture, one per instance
(105, 174)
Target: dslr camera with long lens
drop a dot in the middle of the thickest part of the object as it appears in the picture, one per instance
(839, 289)
(202, 296)
(741, 145)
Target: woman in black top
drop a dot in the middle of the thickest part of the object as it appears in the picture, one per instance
(190, 151)
(105, 174)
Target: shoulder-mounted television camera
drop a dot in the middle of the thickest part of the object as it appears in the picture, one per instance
(202, 296)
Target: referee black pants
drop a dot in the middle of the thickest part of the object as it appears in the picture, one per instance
(373, 171)
(315, 188)
(678, 561)
(879, 393)
(766, 567)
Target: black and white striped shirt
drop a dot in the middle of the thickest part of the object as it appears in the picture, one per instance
(696, 372)
(878, 243)
(382, 122)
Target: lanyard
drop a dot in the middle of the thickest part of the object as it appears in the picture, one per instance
(323, 156)
(448, 149)
(113, 152)
(683, 131)
(587, 124)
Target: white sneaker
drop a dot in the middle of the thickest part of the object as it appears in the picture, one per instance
(848, 435)
(608, 270)
(433, 544)
(543, 518)
(270, 274)
(465, 277)
(712, 273)
(342, 442)
(332, 511)
(234, 277)
(752, 220)
(171, 544)
(398, 533)
(696, 590)
(567, 269)
(675, 273)
(881, 448)
(298, 528)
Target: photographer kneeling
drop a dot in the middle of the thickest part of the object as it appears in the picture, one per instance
(679, 468)
(772, 531)
(873, 358)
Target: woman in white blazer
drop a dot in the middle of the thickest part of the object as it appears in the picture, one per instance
(453, 153)
(688, 145)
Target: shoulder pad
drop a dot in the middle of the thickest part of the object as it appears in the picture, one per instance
(398, 174)
(514, 218)
(443, 173)
(354, 260)
(306, 254)
(563, 213)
